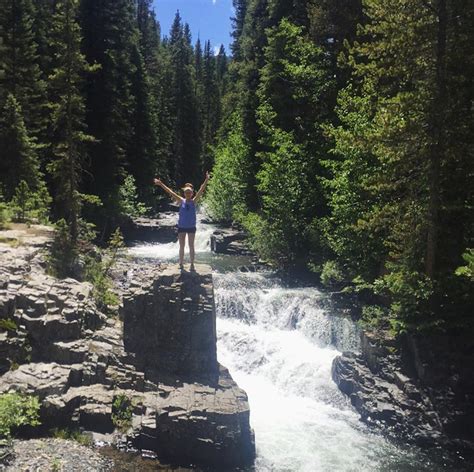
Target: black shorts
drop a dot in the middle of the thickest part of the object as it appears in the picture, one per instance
(186, 230)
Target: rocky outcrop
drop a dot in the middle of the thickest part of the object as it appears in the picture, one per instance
(419, 388)
(170, 323)
(230, 241)
(161, 229)
(160, 354)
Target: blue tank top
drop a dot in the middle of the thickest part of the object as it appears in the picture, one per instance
(187, 214)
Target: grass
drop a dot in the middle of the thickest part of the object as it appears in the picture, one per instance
(7, 324)
(72, 434)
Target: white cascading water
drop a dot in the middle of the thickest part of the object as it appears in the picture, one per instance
(276, 342)
(279, 344)
(169, 251)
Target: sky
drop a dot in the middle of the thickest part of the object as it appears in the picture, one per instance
(208, 19)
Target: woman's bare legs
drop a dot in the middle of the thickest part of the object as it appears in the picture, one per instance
(182, 241)
(191, 237)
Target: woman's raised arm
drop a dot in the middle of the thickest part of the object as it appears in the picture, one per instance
(202, 189)
(170, 192)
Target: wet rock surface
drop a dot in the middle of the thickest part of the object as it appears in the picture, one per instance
(184, 405)
(230, 241)
(417, 388)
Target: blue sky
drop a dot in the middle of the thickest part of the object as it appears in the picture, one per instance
(210, 19)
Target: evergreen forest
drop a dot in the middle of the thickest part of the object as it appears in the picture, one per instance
(339, 135)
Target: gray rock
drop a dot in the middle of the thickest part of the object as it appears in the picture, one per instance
(162, 229)
(230, 241)
(170, 324)
(407, 394)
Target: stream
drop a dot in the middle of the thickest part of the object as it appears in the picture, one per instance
(279, 343)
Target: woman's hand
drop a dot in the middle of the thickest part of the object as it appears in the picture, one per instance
(157, 181)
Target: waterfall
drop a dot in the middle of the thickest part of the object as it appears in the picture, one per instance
(279, 344)
(170, 251)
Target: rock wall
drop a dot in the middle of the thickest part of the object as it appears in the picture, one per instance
(185, 407)
(170, 323)
(420, 388)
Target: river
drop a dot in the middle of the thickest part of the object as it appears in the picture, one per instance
(279, 343)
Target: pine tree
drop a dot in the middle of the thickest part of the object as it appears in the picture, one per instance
(110, 40)
(143, 160)
(240, 7)
(293, 97)
(42, 28)
(20, 74)
(157, 67)
(211, 111)
(221, 66)
(68, 131)
(19, 157)
(186, 144)
(400, 143)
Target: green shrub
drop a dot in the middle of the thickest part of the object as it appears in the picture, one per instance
(122, 409)
(264, 239)
(468, 269)
(128, 199)
(64, 251)
(7, 324)
(4, 212)
(97, 271)
(331, 274)
(228, 188)
(17, 410)
(375, 316)
(85, 261)
(28, 205)
(72, 434)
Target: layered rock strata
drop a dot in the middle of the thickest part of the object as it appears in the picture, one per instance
(161, 229)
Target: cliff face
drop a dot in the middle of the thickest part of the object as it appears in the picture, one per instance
(161, 357)
(200, 414)
(170, 324)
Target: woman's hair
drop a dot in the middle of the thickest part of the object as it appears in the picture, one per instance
(187, 185)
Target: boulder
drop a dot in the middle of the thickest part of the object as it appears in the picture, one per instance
(197, 423)
(406, 387)
(230, 241)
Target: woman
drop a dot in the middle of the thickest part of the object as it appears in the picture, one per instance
(187, 216)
